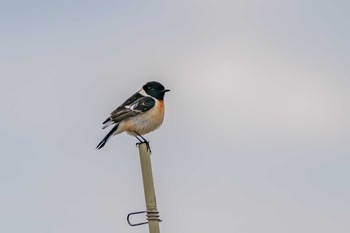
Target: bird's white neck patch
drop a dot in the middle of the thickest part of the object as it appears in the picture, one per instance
(142, 92)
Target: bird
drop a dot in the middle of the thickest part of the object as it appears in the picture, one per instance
(140, 114)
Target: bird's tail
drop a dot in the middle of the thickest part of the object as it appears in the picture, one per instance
(105, 139)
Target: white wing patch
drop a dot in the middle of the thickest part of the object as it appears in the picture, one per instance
(131, 107)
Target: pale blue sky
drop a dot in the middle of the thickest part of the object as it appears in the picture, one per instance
(257, 129)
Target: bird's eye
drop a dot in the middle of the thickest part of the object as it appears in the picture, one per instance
(149, 88)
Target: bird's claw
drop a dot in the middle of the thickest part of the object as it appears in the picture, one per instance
(148, 147)
(147, 144)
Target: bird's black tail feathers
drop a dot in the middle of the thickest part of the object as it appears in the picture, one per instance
(105, 139)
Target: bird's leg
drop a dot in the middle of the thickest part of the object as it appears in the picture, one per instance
(140, 141)
(144, 141)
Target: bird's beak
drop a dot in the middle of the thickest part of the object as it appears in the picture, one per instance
(166, 90)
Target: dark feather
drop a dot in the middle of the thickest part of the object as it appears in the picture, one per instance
(108, 119)
(140, 105)
(105, 139)
(129, 101)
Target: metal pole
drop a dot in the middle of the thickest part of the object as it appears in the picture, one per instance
(148, 185)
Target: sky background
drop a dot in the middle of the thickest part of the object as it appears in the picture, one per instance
(257, 127)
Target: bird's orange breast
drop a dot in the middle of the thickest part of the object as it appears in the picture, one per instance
(145, 122)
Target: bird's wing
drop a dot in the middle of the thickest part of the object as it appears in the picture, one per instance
(135, 105)
(131, 100)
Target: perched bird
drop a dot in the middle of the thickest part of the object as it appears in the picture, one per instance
(142, 113)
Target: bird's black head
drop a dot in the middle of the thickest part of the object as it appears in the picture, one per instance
(155, 89)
